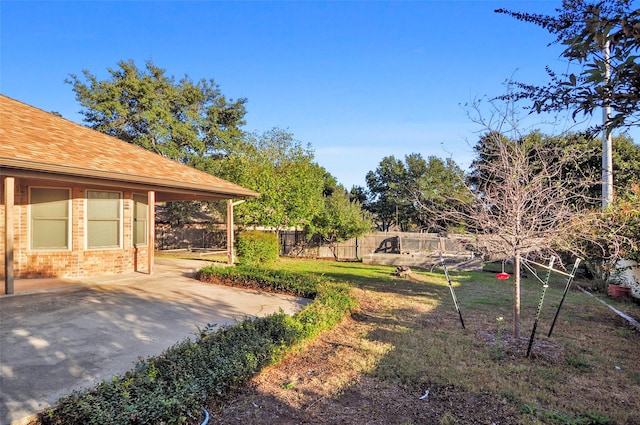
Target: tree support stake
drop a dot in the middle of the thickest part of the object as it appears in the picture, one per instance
(453, 294)
(545, 285)
(564, 295)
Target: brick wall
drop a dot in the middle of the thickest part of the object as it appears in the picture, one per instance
(2, 231)
(78, 261)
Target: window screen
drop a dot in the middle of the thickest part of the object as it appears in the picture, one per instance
(49, 218)
(140, 210)
(103, 219)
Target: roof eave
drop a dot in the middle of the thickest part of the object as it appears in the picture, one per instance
(180, 190)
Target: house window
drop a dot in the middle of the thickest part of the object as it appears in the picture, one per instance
(140, 211)
(103, 219)
(49, 218)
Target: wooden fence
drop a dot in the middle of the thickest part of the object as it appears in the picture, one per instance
(295, 244)
(372, 247)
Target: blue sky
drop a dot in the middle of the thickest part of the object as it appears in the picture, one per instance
(357, 80)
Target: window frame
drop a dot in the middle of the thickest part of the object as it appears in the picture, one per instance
(119, 220)
(134, 220)
(69, 222)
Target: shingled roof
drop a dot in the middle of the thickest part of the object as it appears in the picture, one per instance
(38, 144)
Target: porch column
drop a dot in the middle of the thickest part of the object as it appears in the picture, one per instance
(230, 254)
(9, 193)
(151, 229)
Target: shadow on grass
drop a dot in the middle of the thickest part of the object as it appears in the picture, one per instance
(569, 377)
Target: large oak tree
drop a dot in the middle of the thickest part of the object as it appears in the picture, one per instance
(185, 120)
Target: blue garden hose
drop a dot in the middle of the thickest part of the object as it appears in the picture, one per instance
(206, 417)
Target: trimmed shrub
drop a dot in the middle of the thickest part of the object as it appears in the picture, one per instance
(256, 247)
(266, 280)
(331, 304)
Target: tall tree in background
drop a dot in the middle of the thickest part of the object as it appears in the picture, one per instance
(397, 189)
(389, 201)
(195, 124)
(438, 186)
(603, 37)
(626, 156)
(359, 194)
(190, 122)
(187, 121)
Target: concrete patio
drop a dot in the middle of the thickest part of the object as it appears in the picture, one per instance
(59, 335)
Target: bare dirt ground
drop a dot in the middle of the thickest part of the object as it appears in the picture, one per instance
(327, 382)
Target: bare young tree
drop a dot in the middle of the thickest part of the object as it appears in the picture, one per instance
(530, 199)
(526, 205)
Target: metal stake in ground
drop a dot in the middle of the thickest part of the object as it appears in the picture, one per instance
(545, 285)
(564, 295)
(453, 294)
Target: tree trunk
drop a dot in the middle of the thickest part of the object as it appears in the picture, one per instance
(516, 296)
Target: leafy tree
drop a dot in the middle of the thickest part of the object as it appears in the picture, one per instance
(398, 190)
(627, 211)
(626, 164)
(616, 234)
(586, 162)
(440, 185)
(587, 29)
(626, 160)
(330, 185)
(389, 199)
(603, 37)
(191, 122)
(341, 219)
(626, 156)
(180, 213)
(277, 166)
(359, 194)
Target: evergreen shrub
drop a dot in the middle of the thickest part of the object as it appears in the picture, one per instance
(257, 248)
(279, 281)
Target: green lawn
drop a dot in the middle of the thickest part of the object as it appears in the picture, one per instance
(588, 371)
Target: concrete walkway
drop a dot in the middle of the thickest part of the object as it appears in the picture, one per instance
(76, 333)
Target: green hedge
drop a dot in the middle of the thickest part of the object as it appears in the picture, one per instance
(174, 387)
(255, 247)
(268, 280)
(331, 301)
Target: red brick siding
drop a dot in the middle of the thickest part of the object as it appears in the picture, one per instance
(2, 231)
(77, 262)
